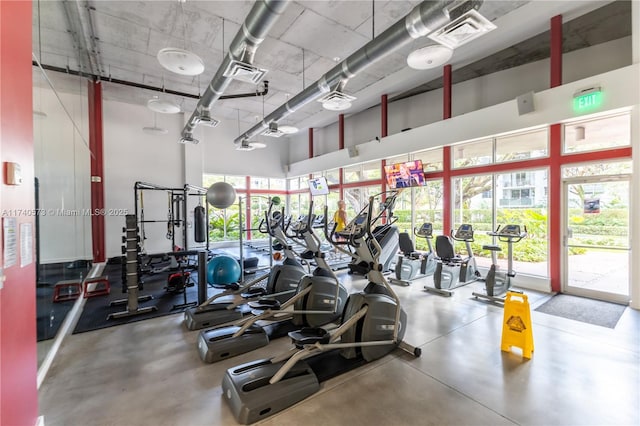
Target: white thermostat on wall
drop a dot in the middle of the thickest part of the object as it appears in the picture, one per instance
(13, 173)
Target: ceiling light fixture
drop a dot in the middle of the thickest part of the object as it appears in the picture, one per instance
(429, 57)
(181, 61)
(155, 130)
(163, 106)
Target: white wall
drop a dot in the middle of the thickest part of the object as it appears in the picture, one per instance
(216, 153)
(467, 96)
(130, 155)
(63, 169)
(621, 88)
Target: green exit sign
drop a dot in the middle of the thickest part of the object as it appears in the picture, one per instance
(587, 101)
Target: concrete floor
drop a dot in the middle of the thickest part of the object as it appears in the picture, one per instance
(148, 373)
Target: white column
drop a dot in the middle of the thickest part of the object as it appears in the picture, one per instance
(635, 181)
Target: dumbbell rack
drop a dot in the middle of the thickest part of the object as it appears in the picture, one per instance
(131, 251)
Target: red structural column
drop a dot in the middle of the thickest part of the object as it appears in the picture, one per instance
(556, 51)
(446, 92)
(555, 157)
(310, 142)
(384, 128)
(446, 189)
(340, 131)
(555, 202)
(446, 152)
(18, 352)
(97, 170)
(384, 117)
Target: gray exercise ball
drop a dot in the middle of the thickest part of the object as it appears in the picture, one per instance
(221, 195)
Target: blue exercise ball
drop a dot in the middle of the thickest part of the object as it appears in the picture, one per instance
(223, 270)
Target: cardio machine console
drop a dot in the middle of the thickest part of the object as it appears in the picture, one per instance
(318, 222)
(355, 227)
(426, 230)
(300, 224)
(510, 231)
(464, 232)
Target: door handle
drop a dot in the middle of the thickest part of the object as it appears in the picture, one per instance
(570, 232)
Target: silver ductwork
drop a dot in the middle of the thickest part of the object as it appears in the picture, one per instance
(425, 18)
(242, 49)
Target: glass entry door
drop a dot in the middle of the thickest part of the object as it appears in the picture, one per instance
(596, 238)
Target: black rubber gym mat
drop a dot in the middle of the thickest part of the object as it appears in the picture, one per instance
(50, 314)
(591, 311)
(97, 309)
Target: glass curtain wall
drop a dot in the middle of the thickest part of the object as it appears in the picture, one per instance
(62, 197)
(427, 207)
(515, 197)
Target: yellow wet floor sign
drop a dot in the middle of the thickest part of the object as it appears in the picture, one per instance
(516, 324)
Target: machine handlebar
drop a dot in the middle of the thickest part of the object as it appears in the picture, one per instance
(463, 233)
(509, 233)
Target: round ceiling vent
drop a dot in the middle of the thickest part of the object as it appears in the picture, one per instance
(165, 107)
(429, 57)
(180, 61)
(288, 130)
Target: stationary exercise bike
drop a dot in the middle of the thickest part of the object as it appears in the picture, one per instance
(373, 325)
(497, 283)
(452, 270)
(281, 285)
(411, 264)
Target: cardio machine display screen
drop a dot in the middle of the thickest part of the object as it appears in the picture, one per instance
(511, 230)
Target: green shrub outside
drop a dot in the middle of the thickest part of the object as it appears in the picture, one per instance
(609, 228)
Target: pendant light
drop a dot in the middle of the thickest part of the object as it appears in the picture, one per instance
(181, 61)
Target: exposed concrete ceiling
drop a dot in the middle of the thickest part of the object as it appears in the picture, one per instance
(610, 22)
(128, 35)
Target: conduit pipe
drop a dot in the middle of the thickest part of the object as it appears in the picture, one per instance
(425, 18)
(255, 28)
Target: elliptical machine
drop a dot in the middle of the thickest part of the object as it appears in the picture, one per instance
(497, 283)
(373, 325)
(281, 285)
(411, 264)
(387, 238)
(453, 271)
(319, 299)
